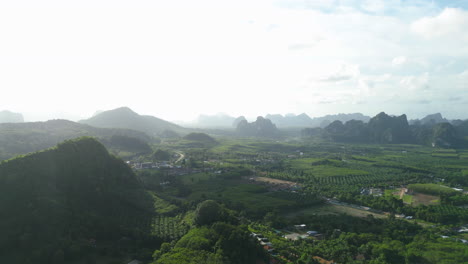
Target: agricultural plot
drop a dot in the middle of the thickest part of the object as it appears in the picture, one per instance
(423, 199)
(169, 228)
(445, 153)
(324, 167)
(463, 154)
(333, 209)
(241, 195)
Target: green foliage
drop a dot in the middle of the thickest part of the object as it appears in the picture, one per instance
(208, 212)
(222, 243)
(129, 143)
(188, 256)
(161, 155)
(202, 137)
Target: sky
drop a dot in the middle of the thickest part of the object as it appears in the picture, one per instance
(178, 59)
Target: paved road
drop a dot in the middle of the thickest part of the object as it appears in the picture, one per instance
(182, 156)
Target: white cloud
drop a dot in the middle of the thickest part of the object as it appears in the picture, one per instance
(450, 21)
(344, 72)
(397, 61)
(415, 83)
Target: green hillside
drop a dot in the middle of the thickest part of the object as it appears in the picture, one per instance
(22, 138)
(55, 203)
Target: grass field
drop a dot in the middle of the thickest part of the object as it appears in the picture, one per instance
(408, 199)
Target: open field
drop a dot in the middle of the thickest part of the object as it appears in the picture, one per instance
(407, 199)
(334, 209)
(424, 199)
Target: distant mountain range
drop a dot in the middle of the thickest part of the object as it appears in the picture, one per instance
(124, 117)
(432, 130)
(10, 117)
(286, 121)
(303, 120)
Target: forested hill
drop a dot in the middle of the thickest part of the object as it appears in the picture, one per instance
(54, 203)
(22, 138)
(124, 117)
(260, 128)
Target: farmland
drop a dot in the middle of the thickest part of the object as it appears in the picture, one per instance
(357, 199)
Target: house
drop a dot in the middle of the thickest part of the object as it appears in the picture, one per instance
(312, 233)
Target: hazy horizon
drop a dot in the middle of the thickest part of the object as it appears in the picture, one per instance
(33, 117)
(179, 59)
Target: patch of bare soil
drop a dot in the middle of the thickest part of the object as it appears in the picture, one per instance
(274, 181)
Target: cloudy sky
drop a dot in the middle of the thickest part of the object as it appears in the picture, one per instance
(178, 59)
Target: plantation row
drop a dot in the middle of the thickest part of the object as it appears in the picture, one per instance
(164, 227)
(374, 178)
(168, 228)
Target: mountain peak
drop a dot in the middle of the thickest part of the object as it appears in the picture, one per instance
(123, 109)
(124, 117)
(10, 117)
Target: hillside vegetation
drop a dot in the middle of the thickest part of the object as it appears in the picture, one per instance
(22, 138)
(53, 202)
